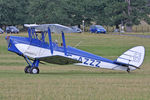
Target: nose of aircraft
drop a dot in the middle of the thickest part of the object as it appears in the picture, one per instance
(11, 44)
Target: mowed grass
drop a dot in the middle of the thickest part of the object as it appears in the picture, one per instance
(69, 82)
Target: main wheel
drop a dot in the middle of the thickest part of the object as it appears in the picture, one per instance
(27, 69)
(34, 70)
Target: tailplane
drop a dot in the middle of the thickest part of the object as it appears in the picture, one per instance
(133, 58)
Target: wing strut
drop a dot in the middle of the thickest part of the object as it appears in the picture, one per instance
(29, 33)
(64, 43)
(50, 40)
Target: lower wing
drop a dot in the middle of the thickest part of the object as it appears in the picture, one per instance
(61, 60)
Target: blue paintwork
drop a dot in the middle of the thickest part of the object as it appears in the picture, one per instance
(50, 41)
(39, 43)
(29, 34)
(64, 43)
(74, 51)
(11, 45)
(28, 61)
(68, 51)
(97, 29)
(35, 63)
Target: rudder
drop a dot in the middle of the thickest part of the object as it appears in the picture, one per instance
(133, 57)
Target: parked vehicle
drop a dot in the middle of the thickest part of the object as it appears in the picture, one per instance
(76, 29)
(12, 29)
(97, 29)
(1, 31)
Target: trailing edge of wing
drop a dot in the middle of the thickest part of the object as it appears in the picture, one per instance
(61, 60)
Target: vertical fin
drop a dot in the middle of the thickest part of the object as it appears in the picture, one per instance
(133, 57)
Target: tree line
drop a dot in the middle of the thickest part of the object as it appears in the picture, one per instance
(73, 12)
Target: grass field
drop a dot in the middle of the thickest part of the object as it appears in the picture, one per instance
(71, 82)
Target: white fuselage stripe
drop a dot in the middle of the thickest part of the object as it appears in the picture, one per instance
(37, 52)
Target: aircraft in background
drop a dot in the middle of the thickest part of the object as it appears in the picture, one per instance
(35, 49)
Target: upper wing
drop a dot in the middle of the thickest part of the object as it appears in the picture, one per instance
(56, 28)
(61, 60)
(30, 25)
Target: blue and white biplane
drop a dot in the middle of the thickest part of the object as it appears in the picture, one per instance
(35, 50)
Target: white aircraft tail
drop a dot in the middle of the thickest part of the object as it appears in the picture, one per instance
(132, 58)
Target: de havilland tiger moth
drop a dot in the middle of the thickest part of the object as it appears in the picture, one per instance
(36, 50)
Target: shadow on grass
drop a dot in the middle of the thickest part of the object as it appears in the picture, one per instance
(84, 73)
(117, 74)
(68, 74)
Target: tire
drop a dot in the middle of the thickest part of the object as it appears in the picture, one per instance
(128, 70)
(34, 70)
(27, 69)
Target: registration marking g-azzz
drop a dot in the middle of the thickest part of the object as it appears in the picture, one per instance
(90, 62)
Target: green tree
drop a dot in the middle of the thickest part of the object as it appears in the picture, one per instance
(137, 10)
(12, 12)
(73, 12)
(46, 11)
(86, 10)
(126, 12)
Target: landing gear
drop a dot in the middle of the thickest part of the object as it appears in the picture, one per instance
(27, 69)
(32, 68)
(128, 70)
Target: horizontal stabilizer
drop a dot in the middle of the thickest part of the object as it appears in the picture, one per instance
(133, 57)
